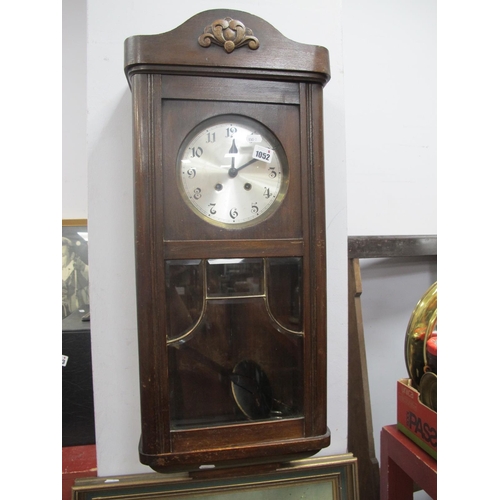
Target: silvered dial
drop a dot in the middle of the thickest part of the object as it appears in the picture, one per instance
(232, 171)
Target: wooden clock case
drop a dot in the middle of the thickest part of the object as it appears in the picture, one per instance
(238, 66)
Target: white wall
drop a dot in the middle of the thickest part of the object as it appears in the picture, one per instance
(390, 97)
(388, 138)
(74, 113)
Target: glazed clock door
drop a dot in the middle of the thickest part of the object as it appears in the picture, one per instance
(236, 344)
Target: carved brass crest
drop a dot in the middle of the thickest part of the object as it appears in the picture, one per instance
(228, 33)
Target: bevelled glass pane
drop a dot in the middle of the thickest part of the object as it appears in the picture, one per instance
(184, 289)
(235, 277)
(285, 291)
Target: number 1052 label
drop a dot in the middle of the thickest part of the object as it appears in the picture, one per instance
(263, 154)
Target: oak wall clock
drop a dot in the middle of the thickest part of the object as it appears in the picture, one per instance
(230, 242)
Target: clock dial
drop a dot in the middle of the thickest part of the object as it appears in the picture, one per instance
(232, 171)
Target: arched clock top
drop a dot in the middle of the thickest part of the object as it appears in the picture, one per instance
(224, 39)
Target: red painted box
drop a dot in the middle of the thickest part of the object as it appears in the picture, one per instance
(415, 419)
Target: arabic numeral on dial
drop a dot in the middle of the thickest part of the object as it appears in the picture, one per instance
(197, 194)
(233, 213)
(272, 172)
(210, 136)
(191, 173)
(196, 152)
(212, 209)
(230, 131)
(267, 193)
(255, 208)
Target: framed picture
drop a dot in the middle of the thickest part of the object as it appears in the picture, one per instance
(323, 478)
(77, 388)
(75, 269)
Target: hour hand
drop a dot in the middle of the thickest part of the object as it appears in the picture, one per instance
(232, 153)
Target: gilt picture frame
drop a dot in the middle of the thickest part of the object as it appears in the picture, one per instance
(322, 478)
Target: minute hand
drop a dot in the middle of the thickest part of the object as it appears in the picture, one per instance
(233, 172)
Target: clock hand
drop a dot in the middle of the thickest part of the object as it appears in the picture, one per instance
(232, 152)
(233, 172)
